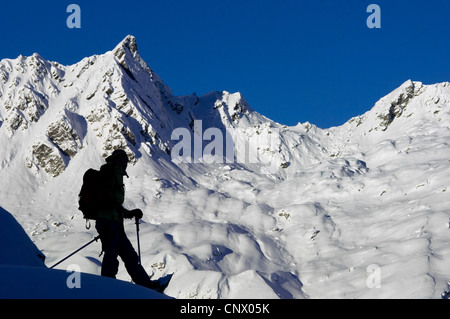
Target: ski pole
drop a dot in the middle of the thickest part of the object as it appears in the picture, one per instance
(139, 246)
(95, 239)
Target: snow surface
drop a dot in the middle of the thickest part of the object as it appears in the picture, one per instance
(325, 213)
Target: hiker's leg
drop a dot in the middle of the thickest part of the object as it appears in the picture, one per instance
(109, 235)
(131, 261)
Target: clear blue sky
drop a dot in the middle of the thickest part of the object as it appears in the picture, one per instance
(293, 60)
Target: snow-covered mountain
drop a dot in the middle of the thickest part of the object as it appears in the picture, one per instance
(235, 205)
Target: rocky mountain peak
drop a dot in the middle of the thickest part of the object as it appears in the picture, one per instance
(127, 54)
(129, 42)
(127, 45)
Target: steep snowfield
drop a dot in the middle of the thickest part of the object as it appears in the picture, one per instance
(356, 211)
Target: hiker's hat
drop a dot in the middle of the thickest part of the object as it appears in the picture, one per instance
(120, 155)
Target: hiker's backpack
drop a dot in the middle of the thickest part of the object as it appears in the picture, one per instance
(93, 195)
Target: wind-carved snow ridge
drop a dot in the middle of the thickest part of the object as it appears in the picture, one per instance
(235, 205)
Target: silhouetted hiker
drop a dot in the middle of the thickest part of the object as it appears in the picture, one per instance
(110, 227)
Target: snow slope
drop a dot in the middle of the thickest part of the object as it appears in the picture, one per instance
(356, 211)
(17, 248)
